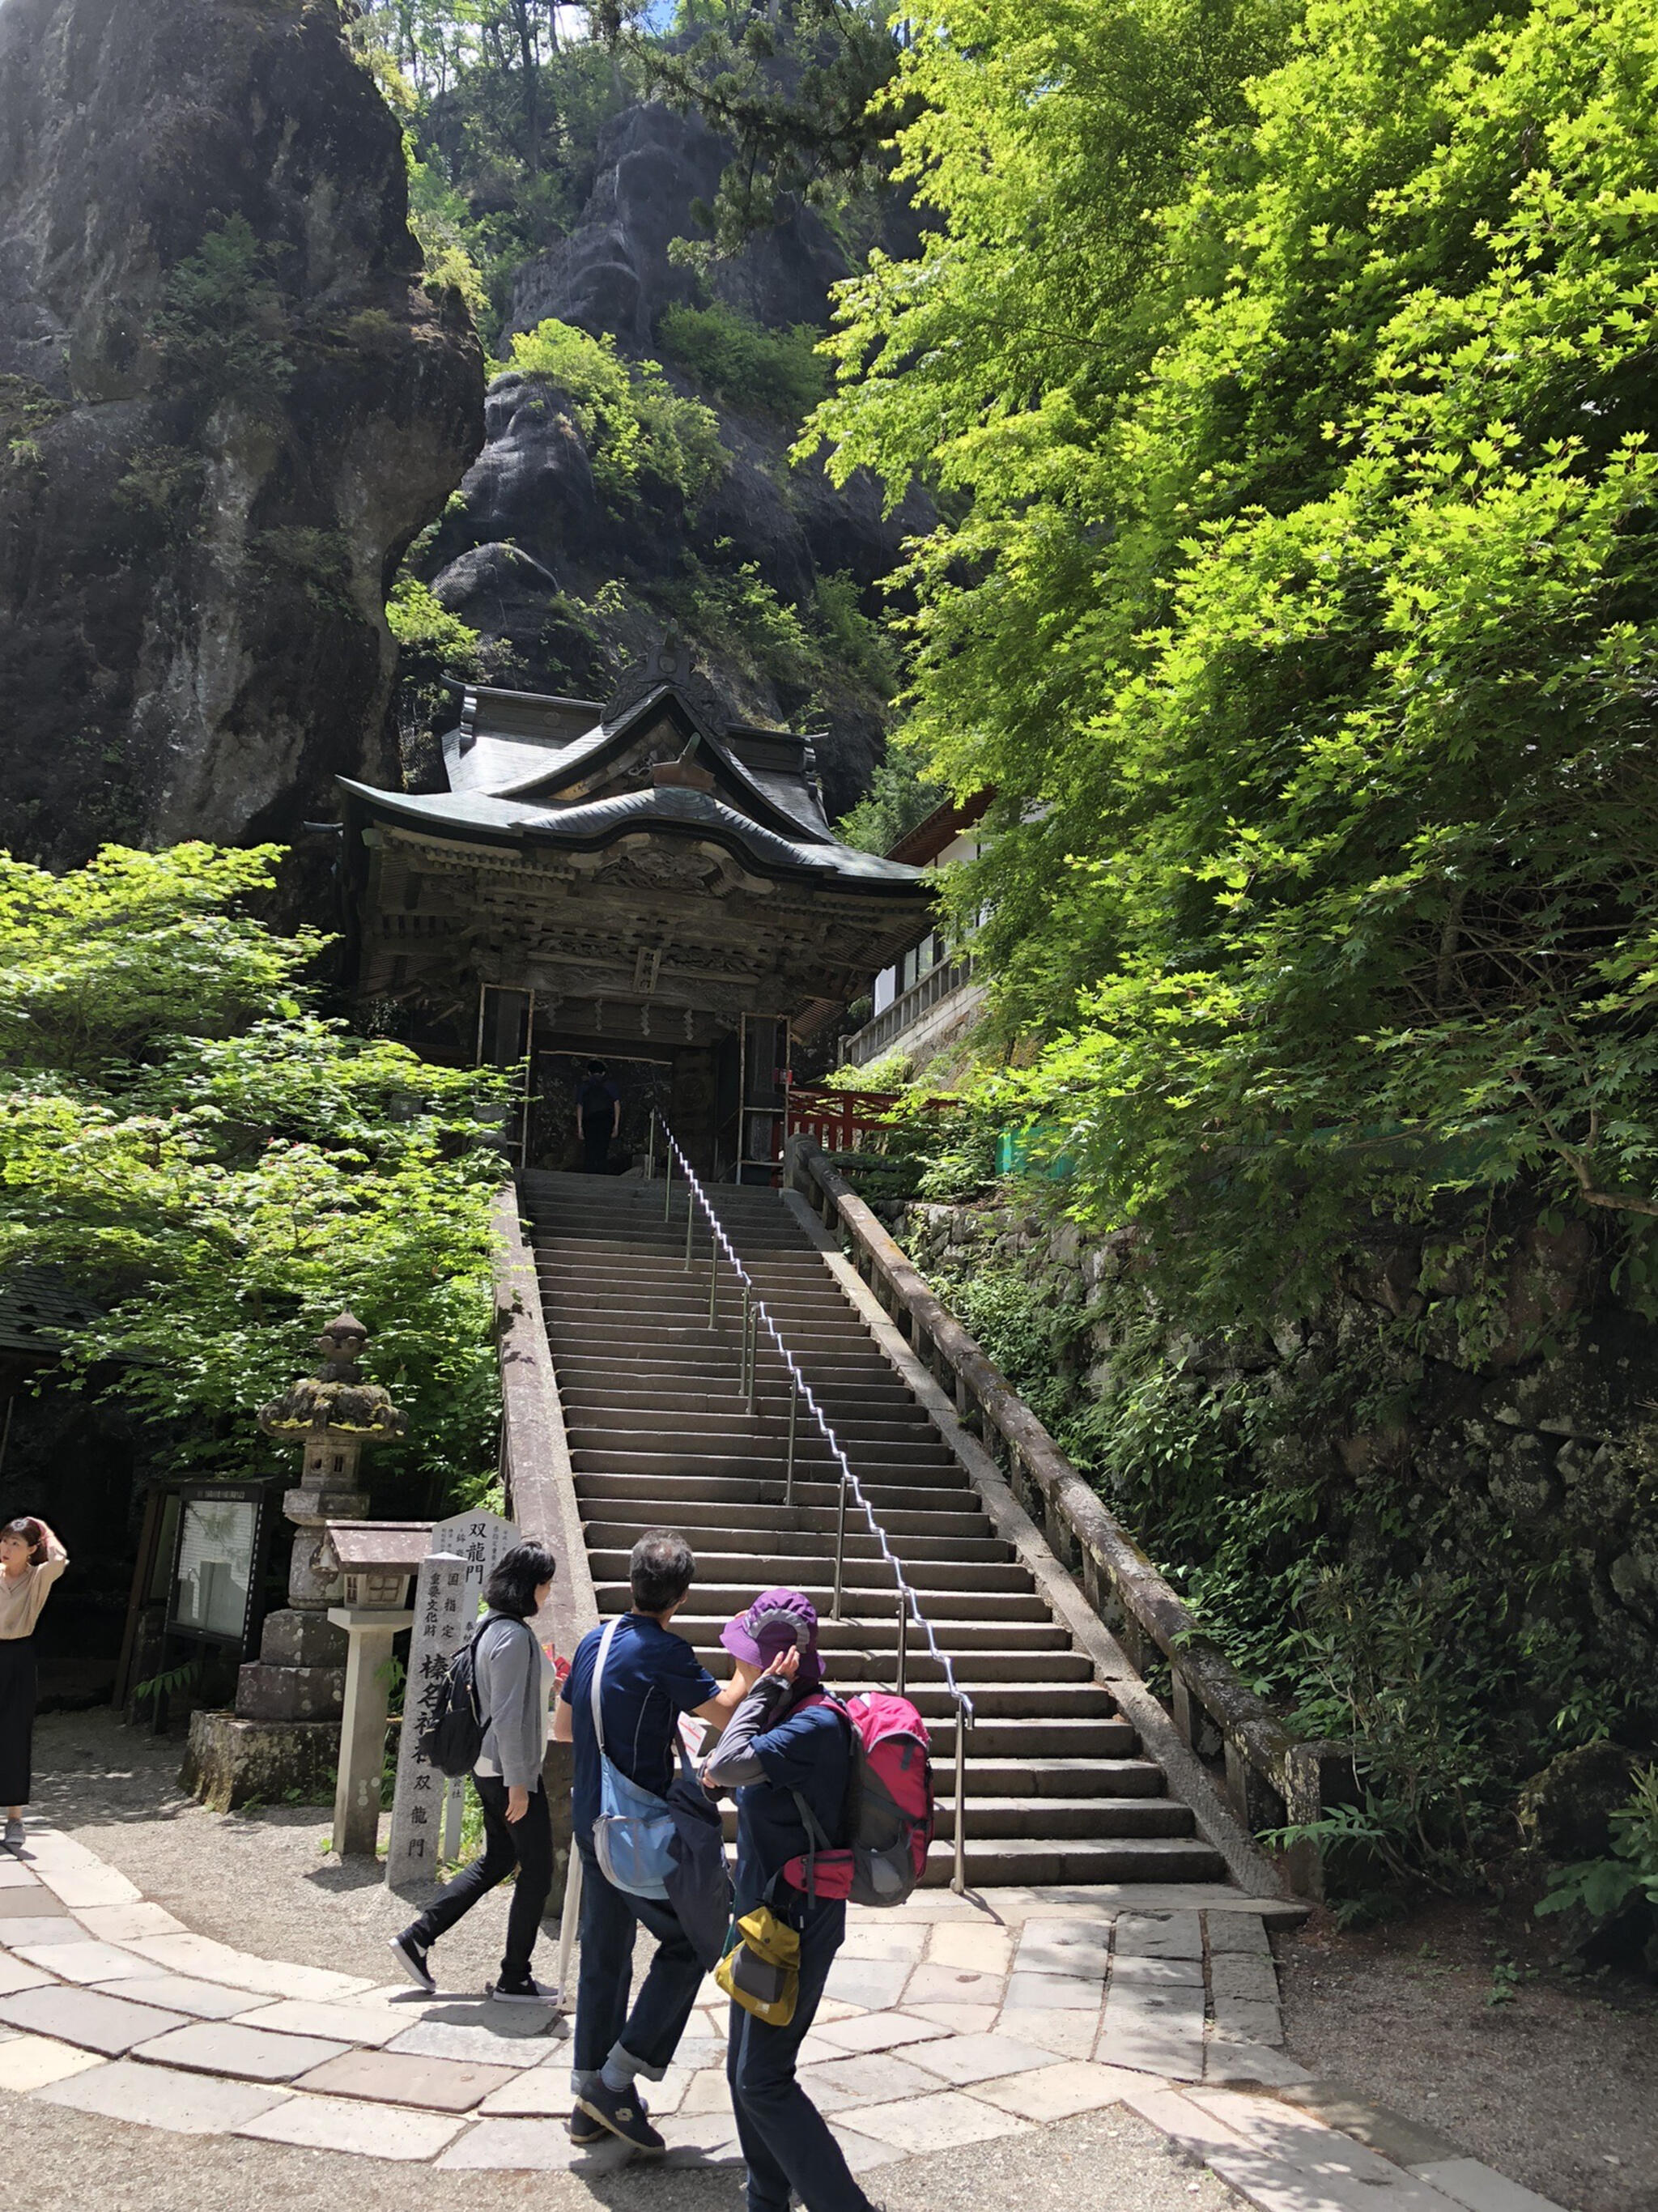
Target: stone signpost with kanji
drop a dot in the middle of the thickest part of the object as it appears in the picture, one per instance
(464, 1551)
(446, 1612)
(480, 1538)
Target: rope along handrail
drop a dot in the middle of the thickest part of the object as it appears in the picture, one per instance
(754, 1313)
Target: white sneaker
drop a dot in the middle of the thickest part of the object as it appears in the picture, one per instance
(14, 1835)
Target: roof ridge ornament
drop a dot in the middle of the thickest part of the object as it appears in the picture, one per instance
(669, 666)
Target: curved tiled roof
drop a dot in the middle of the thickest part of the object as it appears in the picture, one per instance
(590, 825)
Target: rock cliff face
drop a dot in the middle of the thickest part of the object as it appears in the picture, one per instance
(227, 404)
(531, 545)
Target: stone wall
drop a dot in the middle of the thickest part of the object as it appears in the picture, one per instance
(1510, 1465)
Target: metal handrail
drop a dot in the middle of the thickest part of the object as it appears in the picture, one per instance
(754, 1313)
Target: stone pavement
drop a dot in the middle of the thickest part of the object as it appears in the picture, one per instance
(954, 2022)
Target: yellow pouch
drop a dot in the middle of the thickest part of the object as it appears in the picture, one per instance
(761, 1971)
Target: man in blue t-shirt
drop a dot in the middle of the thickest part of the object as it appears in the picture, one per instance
(651, 1677)
(778, 1749)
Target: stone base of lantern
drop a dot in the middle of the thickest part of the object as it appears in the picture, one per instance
(231, 1761)
(290, 1693)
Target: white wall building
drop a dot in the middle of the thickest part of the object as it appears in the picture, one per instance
(927, 997)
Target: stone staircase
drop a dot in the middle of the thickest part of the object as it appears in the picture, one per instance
(1058, 1788)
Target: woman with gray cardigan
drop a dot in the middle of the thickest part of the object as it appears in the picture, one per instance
(515, 1682)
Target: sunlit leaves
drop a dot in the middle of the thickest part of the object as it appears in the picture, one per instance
(224, 1170)
(1301, 608)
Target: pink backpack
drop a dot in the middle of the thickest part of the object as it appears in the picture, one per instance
(890, 1814)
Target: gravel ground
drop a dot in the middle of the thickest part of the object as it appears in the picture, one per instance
(1110, 2161)
(258, 1881)
(1556, 2085)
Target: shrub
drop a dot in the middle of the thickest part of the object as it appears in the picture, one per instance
(423, 627)
(721, 350)
(223, 1168)
(635, 427)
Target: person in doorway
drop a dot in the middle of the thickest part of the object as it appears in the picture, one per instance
(31, 1560)
(515, 1684)
(651, 1677)
(598, 1117)
(780, 1748)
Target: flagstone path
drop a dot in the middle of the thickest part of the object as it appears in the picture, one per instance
(952, 2024)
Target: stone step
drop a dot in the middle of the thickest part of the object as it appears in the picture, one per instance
(645, 1232)
(617, 1408)
(666, 1380)
(776, 1268)
(651, 1455)
(676, 1352)
(866, 1583)
(852, 1642)
(1039, 1861)
(1005, 1818)
(724, 1601)
(664, 1287)
(857, 1664)
(1061, 1820)
(588, 1458)
(627, 1512)
(1056, 1778)
(736, 1549)
(867, 1586)
(712, 1436)
(1037, 1737)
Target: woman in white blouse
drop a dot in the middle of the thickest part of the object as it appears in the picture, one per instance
(31, 1560)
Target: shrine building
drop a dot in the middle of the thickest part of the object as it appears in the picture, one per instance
(645, 883)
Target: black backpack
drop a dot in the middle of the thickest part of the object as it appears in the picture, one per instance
(452, 1738)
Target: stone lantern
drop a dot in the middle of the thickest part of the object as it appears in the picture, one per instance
(284, 1733)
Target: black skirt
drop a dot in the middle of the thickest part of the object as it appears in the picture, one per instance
(17, 1696)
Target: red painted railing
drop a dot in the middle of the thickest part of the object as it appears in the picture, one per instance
(844, 1120)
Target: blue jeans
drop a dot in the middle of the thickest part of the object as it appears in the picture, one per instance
(785, 2138)
(647, 2037)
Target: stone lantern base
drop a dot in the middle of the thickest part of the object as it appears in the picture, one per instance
(231, 1761)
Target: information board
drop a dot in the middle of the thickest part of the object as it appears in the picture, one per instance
(218, 1561)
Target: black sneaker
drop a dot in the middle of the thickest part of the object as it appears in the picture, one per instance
(584, 2133)
(528, 1991)
(621, 2113)
(412, 1957)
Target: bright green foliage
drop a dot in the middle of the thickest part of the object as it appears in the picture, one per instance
(225, 1169)
(817, 653)
(421, 624)
(725, 353)
(900, 796)
(1302, 612)
(637, 430)
(503, 111)
(451, 243)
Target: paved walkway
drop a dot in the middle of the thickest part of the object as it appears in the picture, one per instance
(950, 2025)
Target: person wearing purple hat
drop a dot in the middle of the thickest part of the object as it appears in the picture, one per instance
(784, 1749)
